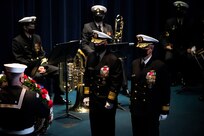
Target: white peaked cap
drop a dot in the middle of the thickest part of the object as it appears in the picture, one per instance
(101, 35)
(27, 19)
(100, 7)
(145, 38)
(15, 67)
(144, 41)
(181, 3)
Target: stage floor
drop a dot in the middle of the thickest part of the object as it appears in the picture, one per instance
(186, 117)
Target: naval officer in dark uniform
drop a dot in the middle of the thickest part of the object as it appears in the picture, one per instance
(19, 106)
(103, 79)
(150, 90)
(98, 23)
(27, 49)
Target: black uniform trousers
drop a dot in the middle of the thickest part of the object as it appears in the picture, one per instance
(102, 120)
(145, 125)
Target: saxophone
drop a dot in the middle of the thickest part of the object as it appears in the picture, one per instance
(119, 23)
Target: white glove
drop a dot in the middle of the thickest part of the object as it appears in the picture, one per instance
(86, 101)
(193, 49)
(162, 117)
(108, 105)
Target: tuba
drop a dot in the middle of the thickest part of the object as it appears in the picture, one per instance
(79, 63)
(75, 74)
(119, 23)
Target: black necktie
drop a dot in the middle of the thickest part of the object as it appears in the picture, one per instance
(99, 28)
(98, 58)
(142, 64)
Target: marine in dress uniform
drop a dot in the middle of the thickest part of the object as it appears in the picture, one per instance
(103, 79)
(19, 107)
(27, 49)
(99, 12)
(150, 90)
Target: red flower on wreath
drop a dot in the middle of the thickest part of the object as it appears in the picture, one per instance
(32, 85)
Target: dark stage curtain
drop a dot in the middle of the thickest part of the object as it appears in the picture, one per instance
(62, 20)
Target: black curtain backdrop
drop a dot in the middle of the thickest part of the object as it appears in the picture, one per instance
(62, 20)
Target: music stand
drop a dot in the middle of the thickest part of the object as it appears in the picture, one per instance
(117, 47)
(63, 52)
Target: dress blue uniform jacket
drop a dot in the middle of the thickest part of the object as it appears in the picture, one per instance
(146, 99)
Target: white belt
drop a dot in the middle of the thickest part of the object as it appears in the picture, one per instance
(20, 132)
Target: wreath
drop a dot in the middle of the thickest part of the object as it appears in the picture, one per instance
(41, 125)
